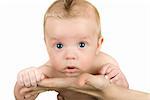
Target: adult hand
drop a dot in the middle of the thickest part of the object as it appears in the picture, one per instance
(85, 83)
(95, 85)
(23, 93)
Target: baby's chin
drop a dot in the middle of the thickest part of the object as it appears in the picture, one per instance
(72, 74)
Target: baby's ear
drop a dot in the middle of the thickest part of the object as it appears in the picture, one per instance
(99, 44)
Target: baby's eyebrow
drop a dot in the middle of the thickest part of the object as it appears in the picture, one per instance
(53, 38)
(84, 37)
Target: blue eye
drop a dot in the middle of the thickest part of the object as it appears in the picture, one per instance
(82, 44)
(59, 45)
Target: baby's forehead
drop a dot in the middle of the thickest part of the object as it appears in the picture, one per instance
(71, 36)
(77, 27)
(52, 23)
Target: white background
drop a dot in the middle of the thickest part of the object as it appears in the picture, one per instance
(125, 27)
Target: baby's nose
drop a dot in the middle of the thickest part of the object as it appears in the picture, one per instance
(70, 54)
(70, 58)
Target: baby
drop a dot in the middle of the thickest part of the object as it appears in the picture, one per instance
(73, 40)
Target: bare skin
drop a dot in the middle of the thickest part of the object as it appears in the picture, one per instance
(95, 85)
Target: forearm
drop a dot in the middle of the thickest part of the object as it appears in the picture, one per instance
(114, 92)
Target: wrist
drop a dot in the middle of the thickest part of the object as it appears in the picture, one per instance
(110, 92)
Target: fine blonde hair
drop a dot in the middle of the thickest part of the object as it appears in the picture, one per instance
(63, 9)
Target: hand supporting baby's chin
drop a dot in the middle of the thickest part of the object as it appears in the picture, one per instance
(72, 95)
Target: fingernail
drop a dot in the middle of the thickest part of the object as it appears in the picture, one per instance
(27, 96)
(106, 77)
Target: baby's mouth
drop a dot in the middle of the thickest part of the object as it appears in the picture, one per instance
(71, 69)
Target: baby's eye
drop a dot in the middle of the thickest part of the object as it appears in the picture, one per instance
(59, 45)
(82, 44)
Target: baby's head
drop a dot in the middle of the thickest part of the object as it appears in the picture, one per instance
(72, 36)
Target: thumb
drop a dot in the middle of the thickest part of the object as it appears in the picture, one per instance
(96, 81)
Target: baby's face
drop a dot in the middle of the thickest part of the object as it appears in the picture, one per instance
(72, 44)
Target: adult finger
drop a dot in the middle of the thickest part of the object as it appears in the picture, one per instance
(58, 83)
(97, 81)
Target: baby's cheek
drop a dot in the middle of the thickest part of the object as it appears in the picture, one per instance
(57, 64)
(87, 64)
